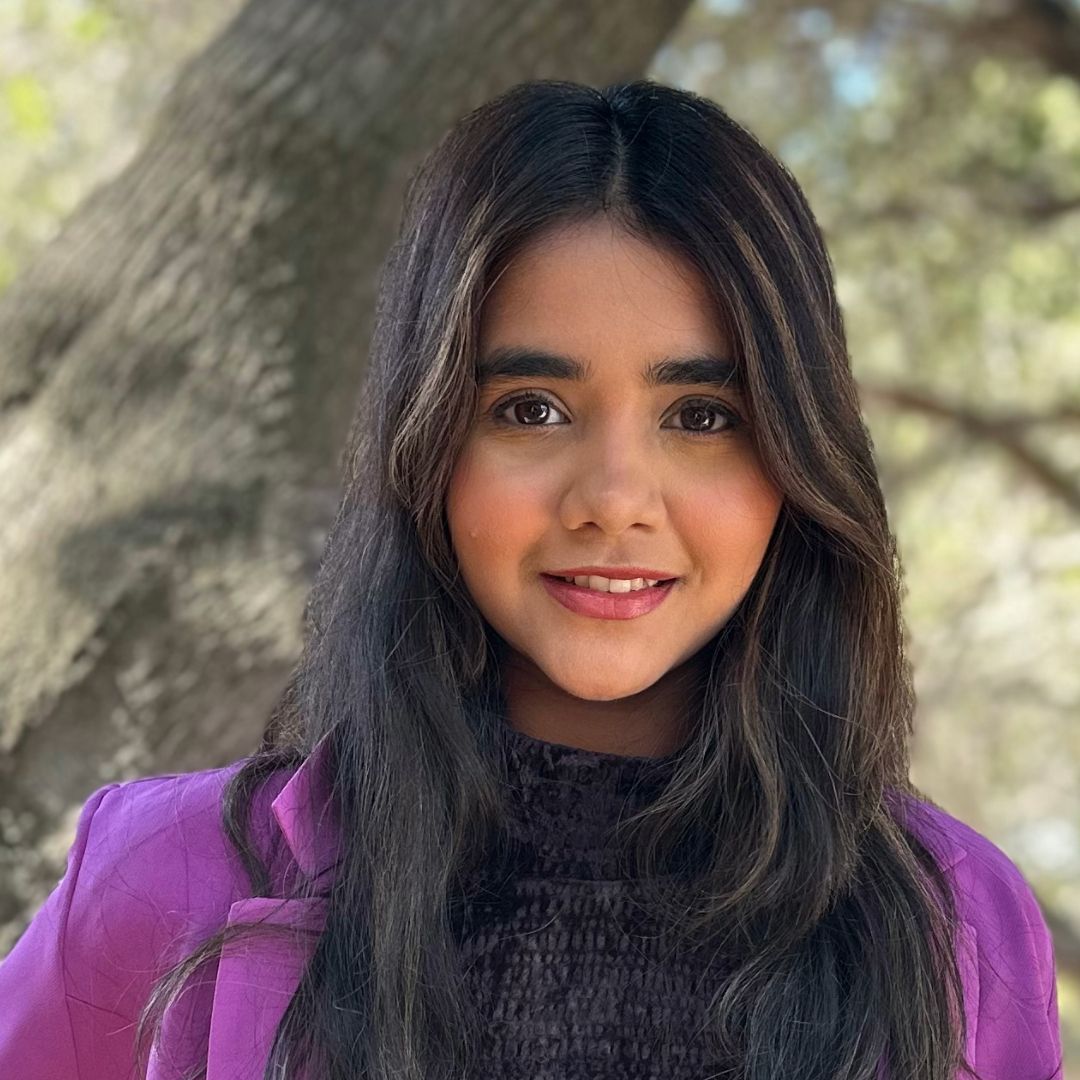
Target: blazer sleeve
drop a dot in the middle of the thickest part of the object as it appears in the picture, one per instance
(1019, 1035)
(46, 1031)
(1006, 952)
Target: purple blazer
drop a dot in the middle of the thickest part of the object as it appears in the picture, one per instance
(150, 874)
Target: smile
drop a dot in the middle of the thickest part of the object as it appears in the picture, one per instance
(597, 604)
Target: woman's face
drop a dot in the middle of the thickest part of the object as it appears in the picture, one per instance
(605, 470)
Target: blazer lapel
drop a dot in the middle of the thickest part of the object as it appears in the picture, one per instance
(256, 978)
(307, 815)
(258, 972)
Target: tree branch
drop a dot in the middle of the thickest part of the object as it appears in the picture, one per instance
(1006, 433)
(1048, 30)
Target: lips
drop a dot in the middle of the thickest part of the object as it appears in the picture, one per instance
(605, 605)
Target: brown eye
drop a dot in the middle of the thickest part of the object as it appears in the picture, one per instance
(529, 410)
(708, 416)
(702, 415)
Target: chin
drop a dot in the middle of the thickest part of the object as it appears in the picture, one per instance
(607, 690)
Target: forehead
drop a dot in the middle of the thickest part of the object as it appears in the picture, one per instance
(597, 291)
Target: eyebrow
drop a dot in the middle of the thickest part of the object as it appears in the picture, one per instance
(513, 362)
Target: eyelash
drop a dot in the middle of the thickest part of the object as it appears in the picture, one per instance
(734, 420)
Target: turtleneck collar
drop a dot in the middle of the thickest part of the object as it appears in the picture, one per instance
(566, 801)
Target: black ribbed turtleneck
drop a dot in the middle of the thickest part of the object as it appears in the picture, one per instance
(571, 977)
(567, 801)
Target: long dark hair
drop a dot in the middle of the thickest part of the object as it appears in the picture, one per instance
(836, 924)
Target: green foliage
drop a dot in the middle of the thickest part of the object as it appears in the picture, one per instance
(78, 81)
(29, 108)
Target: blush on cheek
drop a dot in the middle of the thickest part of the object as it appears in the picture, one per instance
(481, 531)
(501, 498)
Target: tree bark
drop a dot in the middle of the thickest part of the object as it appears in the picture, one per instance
(179, 368)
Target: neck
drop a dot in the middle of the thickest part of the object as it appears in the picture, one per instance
(652, 723)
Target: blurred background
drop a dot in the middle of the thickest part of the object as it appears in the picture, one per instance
(194, 199)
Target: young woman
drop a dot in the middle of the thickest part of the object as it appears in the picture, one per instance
(595, 762)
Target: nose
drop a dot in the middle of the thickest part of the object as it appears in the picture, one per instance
(613, 478)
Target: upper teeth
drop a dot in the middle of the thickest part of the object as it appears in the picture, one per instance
(603, 584)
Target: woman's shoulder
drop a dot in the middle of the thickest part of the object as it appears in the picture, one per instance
(151, 872)
(1006, 950)
(978, 868)
(153, 821)
(992, 892)
(160, 834)
(150, 875)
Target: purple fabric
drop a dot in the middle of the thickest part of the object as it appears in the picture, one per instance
(150, 874)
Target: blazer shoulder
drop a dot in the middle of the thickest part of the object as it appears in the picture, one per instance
(979, 869)
(153, 832)
(152, 875)
(1013, 969)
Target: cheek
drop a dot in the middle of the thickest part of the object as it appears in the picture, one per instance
(493, 511)
(729, 523)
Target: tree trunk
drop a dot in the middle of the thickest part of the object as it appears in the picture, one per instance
(179, 369)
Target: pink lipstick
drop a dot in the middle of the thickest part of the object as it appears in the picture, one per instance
(604, 605)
